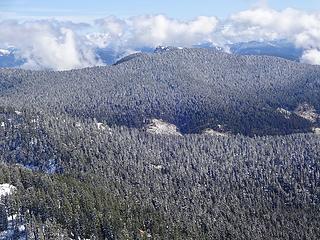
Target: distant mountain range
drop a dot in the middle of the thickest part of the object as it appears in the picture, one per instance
(9, 58)
(281, 48)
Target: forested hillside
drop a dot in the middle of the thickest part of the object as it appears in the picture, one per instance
(182, 144)
(194, 89)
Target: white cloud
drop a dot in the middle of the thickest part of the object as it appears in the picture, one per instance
(311, 56)
(299, 27)
(270, 24)
(48, 44)
(160, 30)
(154, 30)
(58, 44)
(61, 45)
(111, 32)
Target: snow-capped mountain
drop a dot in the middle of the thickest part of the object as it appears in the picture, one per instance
(280, 48)
(9, 58)
(4, 52)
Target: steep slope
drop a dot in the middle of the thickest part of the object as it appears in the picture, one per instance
(194, 89)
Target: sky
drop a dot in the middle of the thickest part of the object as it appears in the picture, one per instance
(66, 34)
(182, 9)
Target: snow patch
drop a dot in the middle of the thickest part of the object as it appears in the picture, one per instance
(21, 228)
(316, 131)
(101, 126)
(4, 52)
(18, 113)
(6, 189)
(161, 127)
(52, 167)
(158, 167)
(307, 112)
(212, 132)
(284, 112)
(161, 49)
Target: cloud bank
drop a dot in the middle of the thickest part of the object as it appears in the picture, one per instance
(62, 45)
(47, 44)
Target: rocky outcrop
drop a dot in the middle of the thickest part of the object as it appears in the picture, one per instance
(161, 127)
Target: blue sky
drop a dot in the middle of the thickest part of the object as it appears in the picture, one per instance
(183, 9)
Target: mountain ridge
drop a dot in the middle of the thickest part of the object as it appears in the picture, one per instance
(185, 87)
(108, 55)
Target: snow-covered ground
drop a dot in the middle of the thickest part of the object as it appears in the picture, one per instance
(316, 130)
(12, 232)
(287, 114)
(307, 112)
(211, 132)
(6, 189)
(163, 128)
